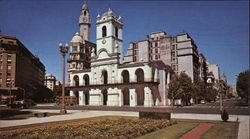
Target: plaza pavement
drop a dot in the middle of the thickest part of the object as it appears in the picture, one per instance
(77, 114)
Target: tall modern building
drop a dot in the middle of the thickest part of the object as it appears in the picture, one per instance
(215, 70)
(180, 52)
(19, 69)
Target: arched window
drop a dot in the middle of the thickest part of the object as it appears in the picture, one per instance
(116, 32)
(85, 13)
(104, 31)
(139, 75)
(125, 92)
(86, 79)
(125, 76)
(76, 80)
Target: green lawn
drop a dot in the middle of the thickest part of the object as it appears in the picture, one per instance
(119, 126)
(221, 130)
(172, 132)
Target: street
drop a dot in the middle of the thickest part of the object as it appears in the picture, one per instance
(233, 107)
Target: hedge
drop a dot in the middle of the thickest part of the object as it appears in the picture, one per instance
(155, 115)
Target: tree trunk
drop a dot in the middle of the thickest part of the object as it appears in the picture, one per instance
(172, 101)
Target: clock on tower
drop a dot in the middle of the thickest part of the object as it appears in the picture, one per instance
(84, 23)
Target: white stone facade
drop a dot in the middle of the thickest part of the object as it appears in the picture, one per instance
(109, 82)
(50, 81)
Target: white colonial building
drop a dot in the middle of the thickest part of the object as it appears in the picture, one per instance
(97, 75)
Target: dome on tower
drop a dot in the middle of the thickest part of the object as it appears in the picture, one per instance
(85, 6)
(77, 38)
(109, 13)
(108, 16)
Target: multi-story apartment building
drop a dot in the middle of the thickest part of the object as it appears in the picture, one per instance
(203, 68)
(215, 70)
(19, 68)
(50, 81)
(180, 52)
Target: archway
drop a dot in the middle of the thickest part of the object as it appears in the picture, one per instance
(86, 97)
(139, 75)
(126, 100)
(125, 76)
(76, 80)
(105, 96)
(76, 93)
(105, 77)
(140, 95)
(86, 79)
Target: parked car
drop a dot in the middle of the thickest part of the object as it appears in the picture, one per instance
(202, 101)
(23, 103)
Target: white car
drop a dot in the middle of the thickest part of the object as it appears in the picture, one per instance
(202, 101)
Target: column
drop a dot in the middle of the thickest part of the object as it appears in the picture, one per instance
(133, 97)
(113, 97)
(71, 93)
(95, 97)
(148, 97)
(121, 103)
(81, 98)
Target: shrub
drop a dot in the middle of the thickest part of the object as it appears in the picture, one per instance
(224, 115)
(155, 115)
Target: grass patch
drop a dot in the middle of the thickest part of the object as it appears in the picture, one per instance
(172, 132)
(121, 127)
(222, 130)
(114, 127)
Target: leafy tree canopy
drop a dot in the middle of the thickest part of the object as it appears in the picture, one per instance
(243, 84)
(180, 87)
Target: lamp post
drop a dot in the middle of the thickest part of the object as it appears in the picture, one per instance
(221, 95)
(63, 50)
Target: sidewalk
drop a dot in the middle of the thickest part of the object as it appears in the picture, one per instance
(77, 114)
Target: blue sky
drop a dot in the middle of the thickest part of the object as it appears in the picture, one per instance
(219, 28)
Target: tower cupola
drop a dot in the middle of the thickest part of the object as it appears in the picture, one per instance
(84, 23)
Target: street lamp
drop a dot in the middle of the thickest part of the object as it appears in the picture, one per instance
(221, 89)
(63, 50)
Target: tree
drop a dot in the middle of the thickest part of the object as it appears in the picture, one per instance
(199, 90)
(210, 94)
(180, 87)
(57, 91)
(242, 85)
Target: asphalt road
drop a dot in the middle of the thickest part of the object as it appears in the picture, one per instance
(233, 107)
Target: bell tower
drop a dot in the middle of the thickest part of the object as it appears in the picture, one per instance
(109, 35)
(84, 23)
